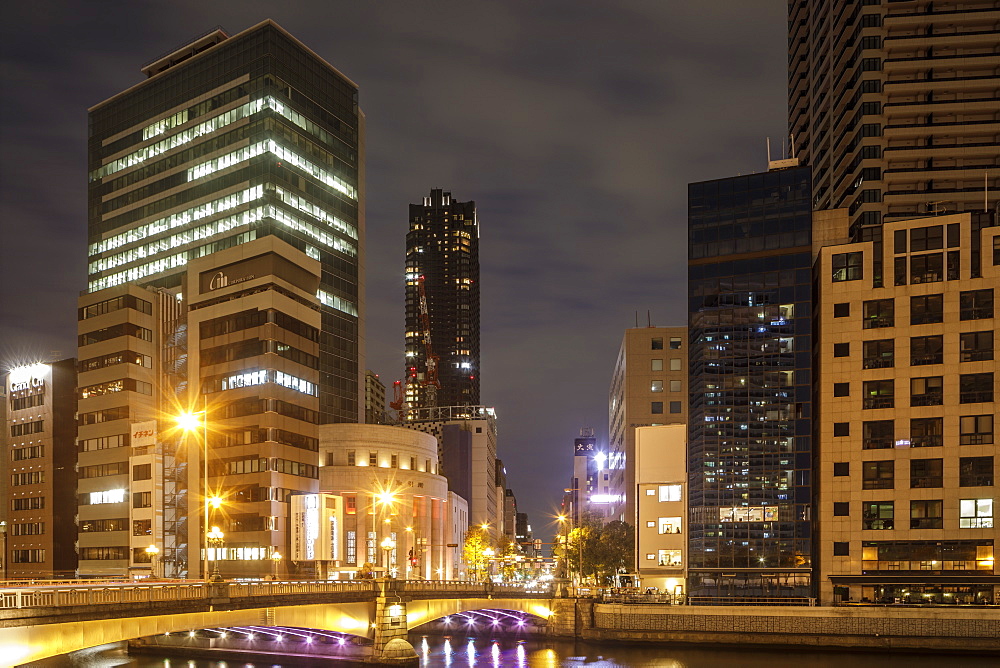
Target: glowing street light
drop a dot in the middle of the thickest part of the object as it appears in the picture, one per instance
(190, 422)
(275, 559)
(152, 551)
(215, 538)
(388, 545)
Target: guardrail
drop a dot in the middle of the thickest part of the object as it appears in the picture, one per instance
(89, 592)
(722, 600)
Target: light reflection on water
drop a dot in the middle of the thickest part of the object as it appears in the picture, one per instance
(484, 652)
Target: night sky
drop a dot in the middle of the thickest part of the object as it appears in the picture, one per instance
(575, 126)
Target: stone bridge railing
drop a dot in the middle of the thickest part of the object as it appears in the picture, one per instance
(102, 594)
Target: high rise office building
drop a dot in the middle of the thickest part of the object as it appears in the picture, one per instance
(39, 469)
(442, 259)
(226, 245)
(231, 139)
(893, 105)
(749, 446)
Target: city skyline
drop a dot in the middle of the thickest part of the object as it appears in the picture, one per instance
(590, 211)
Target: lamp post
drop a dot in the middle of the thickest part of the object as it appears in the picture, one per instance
(388, 545)
(152, 551)
(190, 422)
(488, 555)
(275, 558)
(3, 530)
(215, 538)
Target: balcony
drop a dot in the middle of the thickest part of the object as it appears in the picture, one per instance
(879, 322)
(929, 399)
(932, 441)
(982, 396)
(878, 443)
(878, 402)
(880, 362)
(932, 358)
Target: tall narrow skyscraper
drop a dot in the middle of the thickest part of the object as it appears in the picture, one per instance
(442, 272)
(893, 105)
(749, 443)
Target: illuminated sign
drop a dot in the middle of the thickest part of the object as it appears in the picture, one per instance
(28, 379)
(316, 523)
(110, 496)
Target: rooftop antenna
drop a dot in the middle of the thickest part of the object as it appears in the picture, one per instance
(791, 139)
(649, 321)
(769, 150)
(637, 320)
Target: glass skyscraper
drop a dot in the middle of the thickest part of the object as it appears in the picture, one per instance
(750, 447)
(231, 139)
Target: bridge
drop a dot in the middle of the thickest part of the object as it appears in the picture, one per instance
(46, 620)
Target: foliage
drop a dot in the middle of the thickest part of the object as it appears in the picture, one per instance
(477, 541)
(596, 551)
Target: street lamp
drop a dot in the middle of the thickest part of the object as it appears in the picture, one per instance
(215, 538)
(152, 551)
(488, 554)
(3, 530)
(191, 422)
(388, 545)
(275, 558)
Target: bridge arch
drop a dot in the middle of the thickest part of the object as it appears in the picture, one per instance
(32, 643)
(422, 611)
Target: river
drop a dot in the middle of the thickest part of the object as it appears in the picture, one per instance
(484, 652)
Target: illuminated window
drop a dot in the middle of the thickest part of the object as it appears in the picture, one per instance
(975, 514)
(671, 558)
(669, 525)
(670, 492)
(656, 386)
(656, 365)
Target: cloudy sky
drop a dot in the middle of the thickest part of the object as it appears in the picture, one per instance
(575, 126)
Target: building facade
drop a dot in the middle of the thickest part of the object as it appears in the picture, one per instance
(442, 260)
(39, 454)
(230, 139)
(398, 513)
(893, 105)
(661, 504)
(750, 452)
(907, 389)
(374, 399)
(649, 386)
(226, 244)
(467, 444)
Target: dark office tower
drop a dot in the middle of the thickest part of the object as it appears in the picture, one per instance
(893, 105)
(230, 139)
(749, 445)
(442, 252)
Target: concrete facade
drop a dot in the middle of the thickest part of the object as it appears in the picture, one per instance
(392, 488)
(38, 451)
(893, 105)
(648, 387)
(661, 505)
(907, 388)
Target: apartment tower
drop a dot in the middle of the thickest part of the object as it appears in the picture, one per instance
(894, 106)
(749, 443)
(442, 293)
(230, 140)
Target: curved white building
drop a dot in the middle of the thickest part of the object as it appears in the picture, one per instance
(392, 488)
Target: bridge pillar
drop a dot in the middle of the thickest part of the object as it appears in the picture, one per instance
(391, 646)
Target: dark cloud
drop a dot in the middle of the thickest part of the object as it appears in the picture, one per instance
(574, 125)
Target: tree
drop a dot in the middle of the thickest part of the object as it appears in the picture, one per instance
(596, 551)
(477, 542)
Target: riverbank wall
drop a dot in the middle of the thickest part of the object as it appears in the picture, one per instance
(975, 631)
